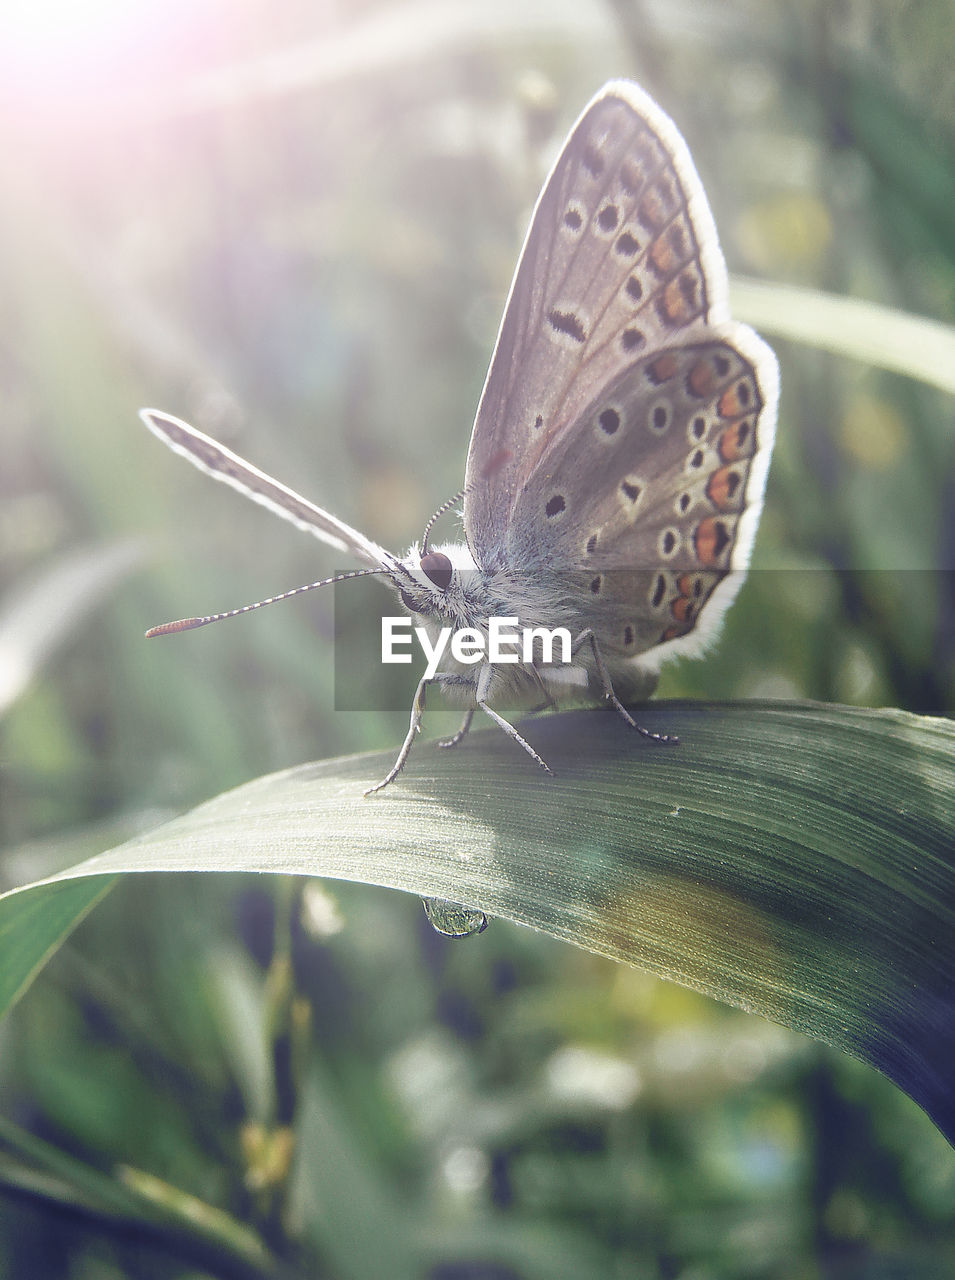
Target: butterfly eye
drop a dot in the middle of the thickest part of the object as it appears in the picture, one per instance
(436, 566)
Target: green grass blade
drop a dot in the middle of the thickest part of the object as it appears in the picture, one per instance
(794, 860)
(36, 619)
(882, 336)
(33, 923)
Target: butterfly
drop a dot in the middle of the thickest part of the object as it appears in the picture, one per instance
(619, 455)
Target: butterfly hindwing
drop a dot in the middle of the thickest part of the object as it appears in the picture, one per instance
(670, 452)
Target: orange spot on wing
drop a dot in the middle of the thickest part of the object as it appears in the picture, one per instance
(663, 367)
(662, 258)
(734, 401)
(736, 442)
(651, 211)
(675, 305)
(724, 488)
(702, 379)
(710, 540)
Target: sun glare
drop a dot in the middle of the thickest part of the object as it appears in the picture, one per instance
(51, 50)
(50, 29)
(38, 19)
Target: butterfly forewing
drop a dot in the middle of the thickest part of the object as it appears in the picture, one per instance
(224, 465)
(612, 267)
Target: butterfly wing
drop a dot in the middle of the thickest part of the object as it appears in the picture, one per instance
(675, 451)
(619, 305)
(222, 464)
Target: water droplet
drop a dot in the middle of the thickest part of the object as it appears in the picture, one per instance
(453, 919)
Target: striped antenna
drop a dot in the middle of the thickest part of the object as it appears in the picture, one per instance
(189, 624)
(445, 506)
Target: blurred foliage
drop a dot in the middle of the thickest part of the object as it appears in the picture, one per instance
(295, 225)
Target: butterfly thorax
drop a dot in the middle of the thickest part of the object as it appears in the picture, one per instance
(452, 591)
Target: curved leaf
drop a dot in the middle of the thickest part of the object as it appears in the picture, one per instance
(794, 860)
(36, 619)
(884, 336)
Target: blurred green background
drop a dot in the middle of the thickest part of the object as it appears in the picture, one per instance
(294, 225)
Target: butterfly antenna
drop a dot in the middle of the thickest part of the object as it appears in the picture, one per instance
(445, 506)
(188, 624)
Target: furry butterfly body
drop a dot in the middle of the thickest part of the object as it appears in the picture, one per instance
(619, 454)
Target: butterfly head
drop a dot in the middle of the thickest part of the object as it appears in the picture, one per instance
(433, 583)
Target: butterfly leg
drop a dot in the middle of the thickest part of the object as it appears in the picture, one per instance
(549, 699)
(414, 728)
(480, 698)
(465, 726)
(588, 637)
